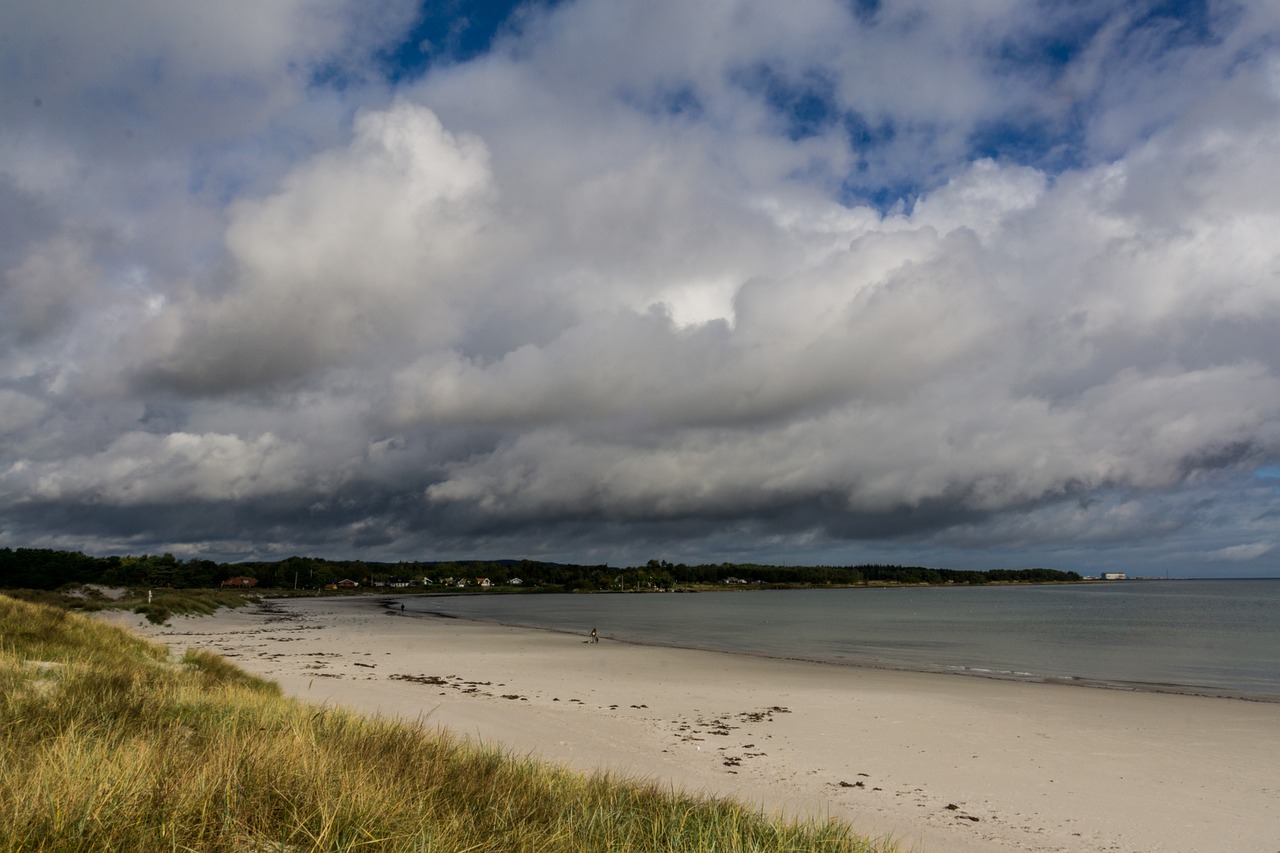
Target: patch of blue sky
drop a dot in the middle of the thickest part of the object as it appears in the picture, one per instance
(893, 197)
(1049, 144)
(1180, 22)
(449, 32)
(1055, 142)
(805, 106)
(865, 185)
(444, 32)
(1268, 472)
(1154, 26)
(863, 136)
(865, 10)
(1050, 52)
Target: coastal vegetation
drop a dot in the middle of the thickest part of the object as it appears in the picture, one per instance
(33, 568)
(156, 605)
(110, 744)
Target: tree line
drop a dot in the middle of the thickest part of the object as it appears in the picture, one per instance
(38, 568)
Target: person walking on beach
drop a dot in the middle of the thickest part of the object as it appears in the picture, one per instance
(595, 638)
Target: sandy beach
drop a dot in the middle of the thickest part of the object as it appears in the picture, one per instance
(942, 763)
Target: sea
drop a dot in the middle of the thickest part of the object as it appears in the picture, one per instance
(1211, 637)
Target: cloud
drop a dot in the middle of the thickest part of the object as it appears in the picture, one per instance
(986, 455)
(42, 291)
(697, 276)
(1242, 553)
(18, 411)
(141, 468)
(359, 243)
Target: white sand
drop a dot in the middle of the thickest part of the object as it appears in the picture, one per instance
(944, 764)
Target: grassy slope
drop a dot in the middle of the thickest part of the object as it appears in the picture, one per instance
(107, 744)
(157, 605)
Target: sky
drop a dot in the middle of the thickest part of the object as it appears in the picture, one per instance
(991, 284)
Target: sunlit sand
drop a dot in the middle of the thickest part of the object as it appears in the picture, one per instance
(945, 764)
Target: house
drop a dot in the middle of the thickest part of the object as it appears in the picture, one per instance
(347, 583)
(515, 582)
(483, 582)
(240, 581)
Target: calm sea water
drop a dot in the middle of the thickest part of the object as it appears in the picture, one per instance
(1223, 635)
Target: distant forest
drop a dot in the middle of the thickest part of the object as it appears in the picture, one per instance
(36, 568)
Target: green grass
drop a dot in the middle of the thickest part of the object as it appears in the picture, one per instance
(160, 605)
(108, 744)
(157, 605)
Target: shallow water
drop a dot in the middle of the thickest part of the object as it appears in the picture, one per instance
(1219, 635)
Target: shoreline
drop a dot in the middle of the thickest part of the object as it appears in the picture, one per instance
(1088, 682)
(944, 765)
(885, 666)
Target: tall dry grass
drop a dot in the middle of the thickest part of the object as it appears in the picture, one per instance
(107, 744)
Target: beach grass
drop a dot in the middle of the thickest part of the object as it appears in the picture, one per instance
(158, 605)
(109, 744)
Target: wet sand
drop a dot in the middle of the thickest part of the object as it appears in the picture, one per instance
(942, 763)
